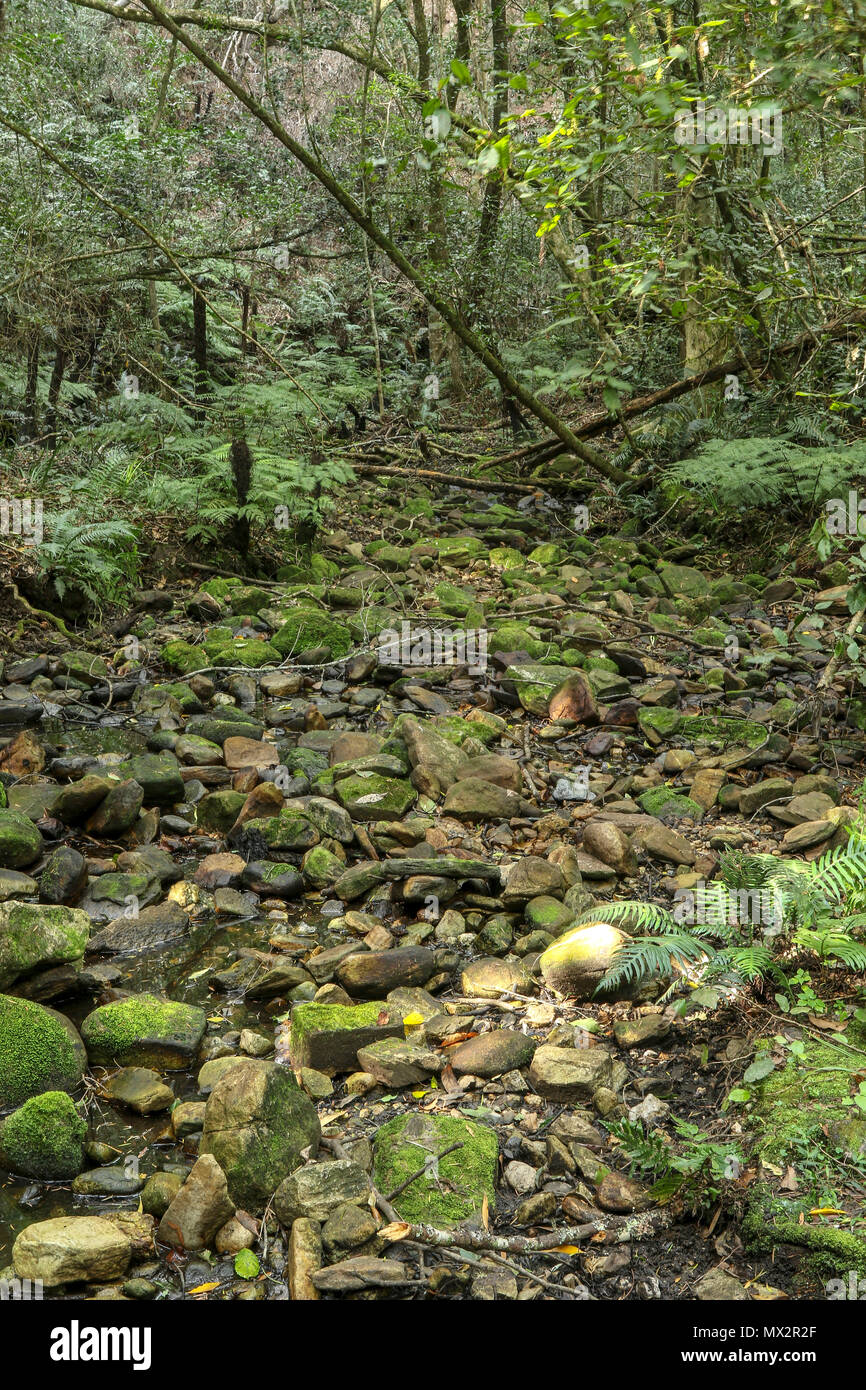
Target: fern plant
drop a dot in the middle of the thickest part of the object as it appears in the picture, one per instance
(741, 923)
(693, 1168)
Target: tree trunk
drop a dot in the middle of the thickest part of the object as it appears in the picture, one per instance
(199, 349)
(31, 386)
(54, 394)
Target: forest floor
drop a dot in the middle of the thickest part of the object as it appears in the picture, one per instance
(348, 861)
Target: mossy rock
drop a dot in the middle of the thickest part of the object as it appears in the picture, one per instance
(536, 684)
(219, 810)
(371, 798)
(220, 588)
(246, 599)
(309, 627)
(36, 936)
(20, 841)
(257, 1125)
(183, 657)
(145, 1031)
(663, 801)
(722, 728)
(238, 651)
(506, 557)
(44, 1138)
(465, 1176)
(40, 1051)
(514, 637)
(326, 1037)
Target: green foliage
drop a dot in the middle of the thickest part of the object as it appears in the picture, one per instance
(693, 1168)
(738, 928)
(757, 472)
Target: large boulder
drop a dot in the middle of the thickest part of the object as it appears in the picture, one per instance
(40, 1050)
(70, 1250)
(258, 1125)
(143, 1030)
(575, 964)
(35, 937)
(44, 1138)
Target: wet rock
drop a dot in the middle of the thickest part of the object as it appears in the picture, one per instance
(376, 973)
(158, 1193)
(272, 880)
(201, 1206)
(64, 877)
(117, 811)
(71, 1249)
(139, 1089)
(158, 775)
(317, 1189)
(74, 802)
(117, 1181)
(16, 885)
(258, 1123)
(44, 1138)
(20, 841)
(570, 1074)
(156, 926)
(144, 1030)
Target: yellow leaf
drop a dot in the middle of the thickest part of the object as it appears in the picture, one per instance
(411, 1022)
(827, 1211)
(567, 1249)
(205, 1288)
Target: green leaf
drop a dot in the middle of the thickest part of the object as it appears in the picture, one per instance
(461, 73)
(761, 1067)
(246, 1264)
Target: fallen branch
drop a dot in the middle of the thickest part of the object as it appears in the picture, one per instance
(613, 1230)
(452, 479)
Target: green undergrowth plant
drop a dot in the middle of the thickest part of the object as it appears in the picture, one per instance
(745, 926)
(694, 1167)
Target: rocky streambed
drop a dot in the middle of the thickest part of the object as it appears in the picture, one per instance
(287, 908)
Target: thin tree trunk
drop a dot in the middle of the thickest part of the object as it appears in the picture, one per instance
(31, 387)
(54, 394)
(199, 348)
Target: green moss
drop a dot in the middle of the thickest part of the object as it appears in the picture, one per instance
(39, 1051)
(796, 1103)
(253, 654)
(328, 1018)
(713, 728)
(309, 627)
(183, 657)
(665, 799)
(772, 1221)
(219, 588)
(465, 1175)
(44, 1138)
(457, 730)
(514, 637)
(143, 1030)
